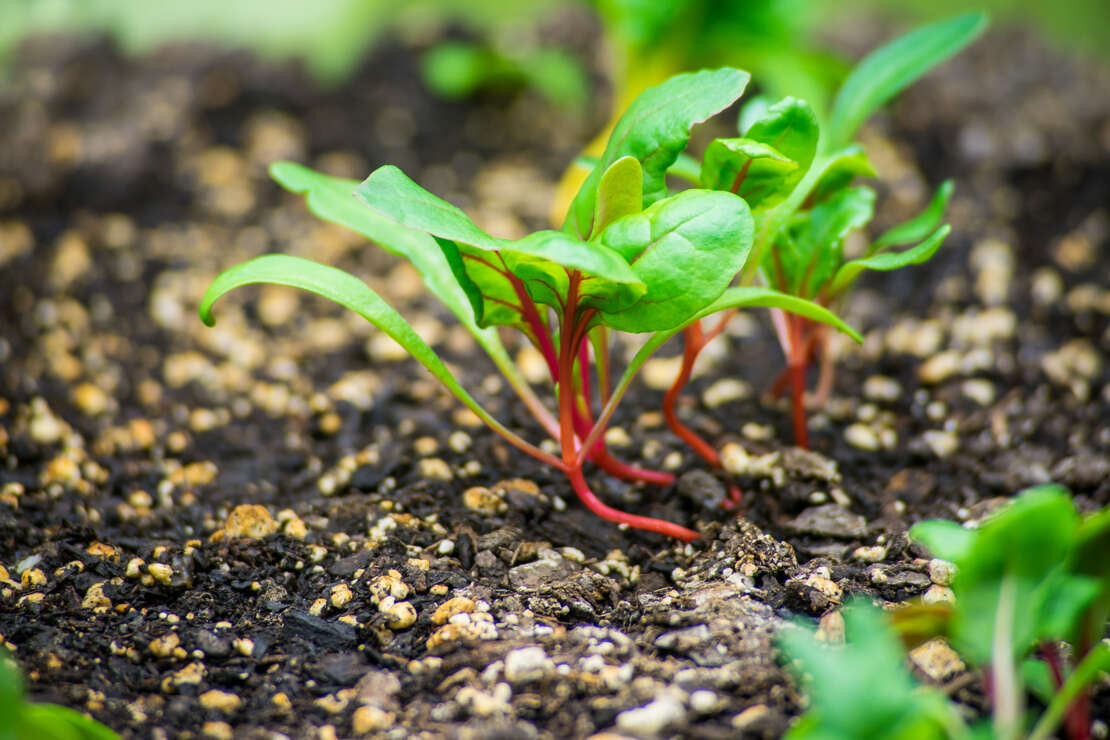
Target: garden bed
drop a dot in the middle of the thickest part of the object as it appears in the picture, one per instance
(139, 589)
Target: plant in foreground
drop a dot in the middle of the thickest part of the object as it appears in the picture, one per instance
(1035, 573)
(797, 177)
(23, 720)
(635, 260)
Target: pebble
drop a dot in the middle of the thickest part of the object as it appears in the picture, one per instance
(917, 338)
(750, 716)
(993, 262)
(388, 585)
(222, 701)
(863, 437)
(881, 388)
(163, 647)
(526, 664)
(341, 595)
(941, 443)
(704, 701)
(939, 367)
(652, 718)
(870, 553)
(830, 520)
(367, 719)
(95, 598)
(1046, 286)
(725, 391)
(483, 704)
(247, 521)
(401, 614)
(736, 461)
(937, 660)
(217, 730)
(451, 607)
(160, 572)
(941, 572)
(434, 468)
(937, 594)
(484, 501)
(659, 373)
(617, 437)
(979, 390)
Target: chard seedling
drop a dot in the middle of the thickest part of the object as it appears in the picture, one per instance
(21, 719)
(631, 259)
(1033, 575)
(797, 176)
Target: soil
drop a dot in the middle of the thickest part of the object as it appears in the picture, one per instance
(280, 526)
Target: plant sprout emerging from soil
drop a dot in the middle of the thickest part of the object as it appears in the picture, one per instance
(21, 719)
(631, 259)
(797, 177)
(1033, 575)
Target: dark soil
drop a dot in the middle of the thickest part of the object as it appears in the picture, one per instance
(135, 585)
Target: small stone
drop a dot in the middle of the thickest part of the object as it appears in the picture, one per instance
(870, 554)
(881, 388)
(750, 716)
(617, 437)
(941, 443)
(979, 390)
(703, 701)
(659, 373)
(830, 520)
(222, 701)
(425, 446)
(1047, 286)
(95, 598)
(937, 660)
(401, 614)
(388, 585)
(862, 437)
(941, 572)
(526, 664)
(217, 730)
(434, 468)
(451, 607)
(937, 594)
(484, 501)
(163, 647)
(247, 521)
(652, 718)
(367, 719)
(939, 367)
(160, 572)
(134, 568)
(91, 400)
(341, 595)
(725, 391)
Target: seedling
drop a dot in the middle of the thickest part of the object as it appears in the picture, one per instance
(1034, 574)
(21, 719)
(631, 259)
(797, 175)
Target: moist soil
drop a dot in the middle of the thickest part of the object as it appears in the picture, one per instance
(282, 527)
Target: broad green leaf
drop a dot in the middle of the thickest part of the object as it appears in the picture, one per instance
(11, 696)
(349, 292)
(55, 722)
(540, 261)
(686, 249)
(885, 72)
(790, 126)
(654, 130)
(620, 192)
(751, 111)
(811, 251)
(1092, 548)
(921, 225)
(757, 172)
(885, 261)
(864, 688)
(944, 539)
(760, 297)
(841, 167)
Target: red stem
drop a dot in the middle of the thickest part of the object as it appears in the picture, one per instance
(798, 381)
(610, 514)
(693, 344)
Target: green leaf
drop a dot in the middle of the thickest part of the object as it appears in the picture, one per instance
(811, 252)
(540, 261)
(686, 249)
(1097, 661)
(757, 172)
(885, 261)
(56, 722)
(686, 168)
(885, 72)
(654, 130)
(349, 292)
(1092, 546)
(790, 126)
(620, 192)
(760, 297)
(11, 696)
(840, 169)
(750, 111)
(921, 225)
(862, 689)
(944, 539)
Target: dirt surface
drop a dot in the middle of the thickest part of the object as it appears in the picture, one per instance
(281, 526)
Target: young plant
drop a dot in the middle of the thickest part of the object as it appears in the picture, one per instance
(632, 260)
(797, 176)
(1035, 574)
(22, 720)
(863, 689)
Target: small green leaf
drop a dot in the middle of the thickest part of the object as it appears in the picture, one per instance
(757, 172)
(750, 111)
(885, 261)
(56, 722)
(760, 297)
(841, 168)
(349, 292)
(790, 126)
(654, 130)
(944, 539)
(620, 192)
(685, 249)
(921, 225)
(885, 72)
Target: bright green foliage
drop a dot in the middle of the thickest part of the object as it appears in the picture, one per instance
(643, 262)
(863, 688)
(654, 130)
(22, 720)
(455, 70)
(1033, 574)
